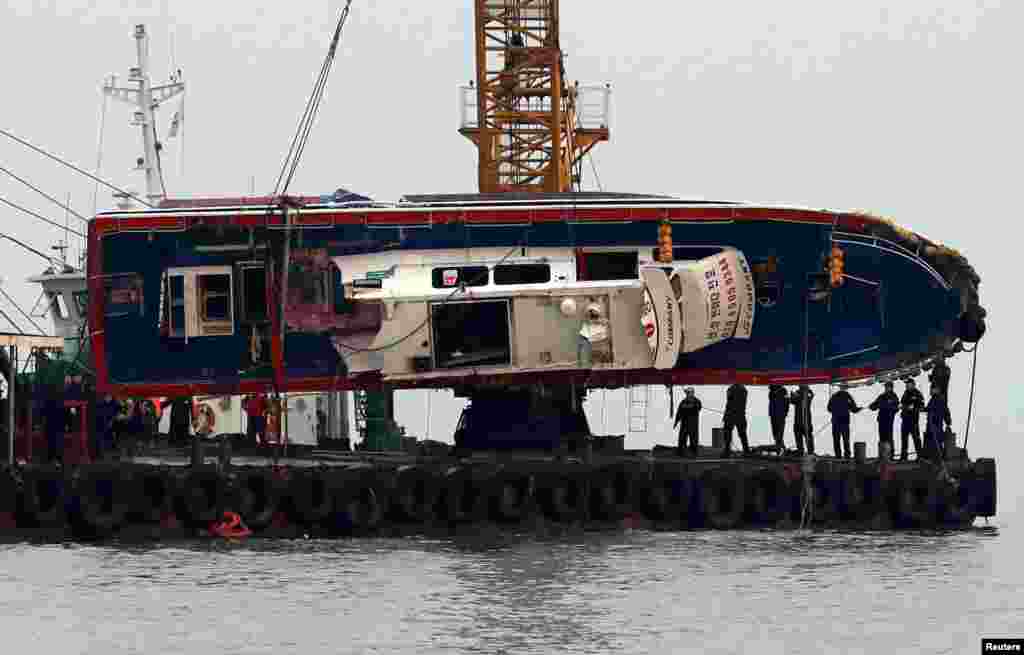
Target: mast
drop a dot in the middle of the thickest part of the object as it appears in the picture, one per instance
(147, 99)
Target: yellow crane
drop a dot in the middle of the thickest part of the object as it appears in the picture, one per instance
(532, 129)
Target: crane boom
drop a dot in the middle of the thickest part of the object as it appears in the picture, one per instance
(527, 126)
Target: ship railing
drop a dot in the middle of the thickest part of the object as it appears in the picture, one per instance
(890, 247)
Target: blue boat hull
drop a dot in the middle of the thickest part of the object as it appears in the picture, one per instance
(894, 310)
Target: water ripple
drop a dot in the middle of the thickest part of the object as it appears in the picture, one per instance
(706, 591)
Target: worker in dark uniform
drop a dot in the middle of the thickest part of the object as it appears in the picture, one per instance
(802, 424)
(840, 405)
(778, 408)
(886, 405)
(181, 419)
(911, 406)
(736, 417)
(940, 376)
(106, 414)
(55, 423)
(688, 420)
(938, 421)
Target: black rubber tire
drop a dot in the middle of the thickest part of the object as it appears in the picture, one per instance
(152, 495)
(258, 497)
(827, 498)
(918, 500)
(413, 495)
(358, 506)
(770, 498)
(722, 499)
(563, 498)
(861, 496)
(669, 499)
(202, 495)
(312, 494)
(103, 499)
(513, 497)
(957, 509)
(45, 498)
(463, 496)
(609, 495)
(9, 492)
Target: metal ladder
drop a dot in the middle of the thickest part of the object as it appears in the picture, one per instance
(639, 397)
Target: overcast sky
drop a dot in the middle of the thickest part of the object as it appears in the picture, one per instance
(911, 111)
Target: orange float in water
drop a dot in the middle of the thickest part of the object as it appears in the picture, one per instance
(230, 527)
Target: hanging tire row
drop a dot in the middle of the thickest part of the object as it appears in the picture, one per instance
(366, 498)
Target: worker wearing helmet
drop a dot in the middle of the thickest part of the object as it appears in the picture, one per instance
(886, 405)
(688, 420)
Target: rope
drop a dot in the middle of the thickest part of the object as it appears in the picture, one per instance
(301, 138)
(49, 260)
(45, 195)
(42, 218)
(71, 166)
(970, 402)
(593, 167)
(22, 312)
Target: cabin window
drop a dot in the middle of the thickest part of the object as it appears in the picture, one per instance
(81, 300)
(452, 276)
(607, 266)
(341, 306)
(59, 306)
(214, 300)
(253, 280)
(471, 334)
(522, 274)
(176, 304)
(123, 294)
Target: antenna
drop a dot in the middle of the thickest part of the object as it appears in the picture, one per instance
(146, 99)
(110, 81)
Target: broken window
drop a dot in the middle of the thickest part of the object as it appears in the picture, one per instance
(197, 302)
(471, 334)
(607, 266)
(176, 305)
(215, 297)
(453, 276)
(253, 293)
(522, 274)
(123, 294)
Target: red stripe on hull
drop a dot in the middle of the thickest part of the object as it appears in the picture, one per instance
(483, 216)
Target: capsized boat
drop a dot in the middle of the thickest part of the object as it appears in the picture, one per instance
(479, 289)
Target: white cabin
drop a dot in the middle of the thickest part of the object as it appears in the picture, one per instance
(420, 314)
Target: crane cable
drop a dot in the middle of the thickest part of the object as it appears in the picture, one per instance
(49, 260)
(970, 402)
(72, 167)
(22, 312)
(45, 195)
(301, 138)
(41, 218)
